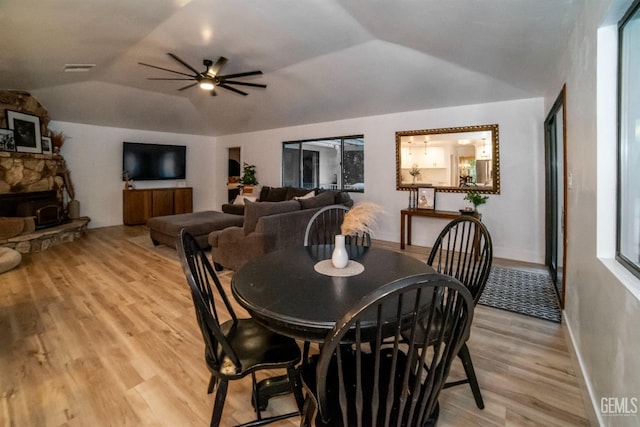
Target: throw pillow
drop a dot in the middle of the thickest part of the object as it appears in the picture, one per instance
(254, 210)
(343, 198)
(264, 192)
(277, 194)
(239, 200)
(309, 195)
(325, 198)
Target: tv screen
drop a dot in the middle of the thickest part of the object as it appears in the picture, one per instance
(146, 162)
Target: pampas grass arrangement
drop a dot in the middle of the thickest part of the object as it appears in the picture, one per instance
(360, 218)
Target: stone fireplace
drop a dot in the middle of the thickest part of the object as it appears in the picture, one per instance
(44, 206)
(37, 185)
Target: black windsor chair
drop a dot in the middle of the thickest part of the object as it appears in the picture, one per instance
(356, 381)
(464, 250)
(234, 347)
(325, 224)
(321, 229)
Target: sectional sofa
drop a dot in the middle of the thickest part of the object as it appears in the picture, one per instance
(276, 221)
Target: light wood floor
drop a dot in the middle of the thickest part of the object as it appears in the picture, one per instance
(102, 332)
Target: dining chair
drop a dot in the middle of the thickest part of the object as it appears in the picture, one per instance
(234, 347)
(355, 380)
(464, 250)
(321, 229)
(325, 224)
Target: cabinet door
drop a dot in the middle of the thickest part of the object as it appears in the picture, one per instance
(136, 206)
(162, 202)
(183, 200)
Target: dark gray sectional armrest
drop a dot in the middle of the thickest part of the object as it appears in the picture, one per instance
(233, 209)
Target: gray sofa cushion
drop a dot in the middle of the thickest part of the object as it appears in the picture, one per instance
(230, 208)
(296, 192)
(166, 229)
(278, 194)
(254, 210)
(231, 248)
(325, 198)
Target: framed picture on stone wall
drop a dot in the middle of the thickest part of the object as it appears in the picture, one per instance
(26, 129)
(7, 141)
(47, 148)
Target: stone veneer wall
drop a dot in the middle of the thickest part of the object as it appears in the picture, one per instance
(23, 102)
(47, 237)
(24, 173)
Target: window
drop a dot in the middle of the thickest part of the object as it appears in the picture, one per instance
(330, 163)
(628, 227)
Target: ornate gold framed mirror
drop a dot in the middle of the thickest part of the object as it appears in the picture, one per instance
(452, 160)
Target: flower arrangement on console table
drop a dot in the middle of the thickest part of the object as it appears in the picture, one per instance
(357, 221)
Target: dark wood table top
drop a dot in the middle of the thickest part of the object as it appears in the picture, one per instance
(283, 291)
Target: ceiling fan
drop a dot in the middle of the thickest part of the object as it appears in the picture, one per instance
(208, 79)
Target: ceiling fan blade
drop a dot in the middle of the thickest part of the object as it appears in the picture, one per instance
(248, 73)
(165, 78)
(230, 82)
(221, 62)
(188, 86)
(233, 89)
(184, 63)
(164, 69)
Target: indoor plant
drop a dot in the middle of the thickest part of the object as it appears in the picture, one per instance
(475, 198)
(248, 175)
(248, 178)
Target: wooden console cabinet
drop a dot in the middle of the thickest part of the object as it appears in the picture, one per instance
(140, 205)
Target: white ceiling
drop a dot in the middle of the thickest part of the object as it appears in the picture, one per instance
(322, 60)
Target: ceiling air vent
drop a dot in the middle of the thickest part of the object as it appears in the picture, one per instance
(78, 68)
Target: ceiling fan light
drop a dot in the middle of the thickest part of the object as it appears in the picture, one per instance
(206, 85)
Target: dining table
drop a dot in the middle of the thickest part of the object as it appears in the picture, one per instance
(297, 292)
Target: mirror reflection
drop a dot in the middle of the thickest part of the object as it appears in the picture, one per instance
(449, 159)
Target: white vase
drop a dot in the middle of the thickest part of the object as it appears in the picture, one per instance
(339, 257)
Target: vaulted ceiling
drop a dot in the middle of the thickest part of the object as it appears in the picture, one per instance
(322, 60)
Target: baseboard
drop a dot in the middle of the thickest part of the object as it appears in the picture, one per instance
(591, 402)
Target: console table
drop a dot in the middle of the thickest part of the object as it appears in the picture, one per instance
(406, 216)
(140, 205)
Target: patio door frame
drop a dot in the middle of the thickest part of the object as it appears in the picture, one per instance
(556, 193)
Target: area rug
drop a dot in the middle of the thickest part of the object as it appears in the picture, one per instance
(522, 292)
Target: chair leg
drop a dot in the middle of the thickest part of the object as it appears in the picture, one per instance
(465, 357)
(212, 384)
(296, 387)
(218, 406)
(305, 352)
(308, 411)
(256, 396)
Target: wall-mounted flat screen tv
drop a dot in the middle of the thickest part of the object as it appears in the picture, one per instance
(147, 162)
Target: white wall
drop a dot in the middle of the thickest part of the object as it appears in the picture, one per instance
(515, 217)
(94, 157)
(602, 311)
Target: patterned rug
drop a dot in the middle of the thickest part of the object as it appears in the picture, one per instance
(522, 292)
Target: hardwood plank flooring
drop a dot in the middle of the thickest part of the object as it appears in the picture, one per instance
(102, 332)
